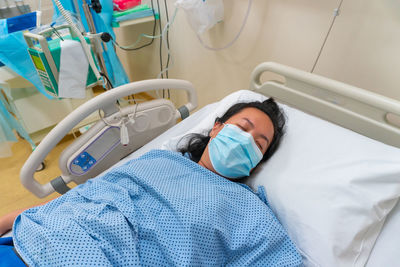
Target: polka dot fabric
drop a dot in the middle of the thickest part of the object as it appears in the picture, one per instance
(161, 209)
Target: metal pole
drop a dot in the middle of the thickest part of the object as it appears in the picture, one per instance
(92, 29)
(78, 12)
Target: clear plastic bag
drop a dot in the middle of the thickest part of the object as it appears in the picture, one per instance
(202, 14)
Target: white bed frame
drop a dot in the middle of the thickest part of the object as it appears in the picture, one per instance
(106, 102)
(362, 111)
(367, 113)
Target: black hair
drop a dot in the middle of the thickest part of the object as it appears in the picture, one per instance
(197, 143)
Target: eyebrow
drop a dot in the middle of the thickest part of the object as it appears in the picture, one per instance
(252, 125)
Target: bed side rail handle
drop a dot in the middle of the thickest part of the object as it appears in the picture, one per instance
(64, 127)
(294, 76)
(362, 111)
(59, 185)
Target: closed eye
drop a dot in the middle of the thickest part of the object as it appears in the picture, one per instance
(259, 145)
(241, 127)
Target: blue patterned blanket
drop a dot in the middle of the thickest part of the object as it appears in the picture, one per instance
(161, 209)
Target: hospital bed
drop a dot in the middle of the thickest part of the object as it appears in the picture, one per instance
(334, 188)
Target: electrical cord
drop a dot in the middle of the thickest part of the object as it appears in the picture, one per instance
(163, 31)
(166, 28)
(111, 85)
(108, 80)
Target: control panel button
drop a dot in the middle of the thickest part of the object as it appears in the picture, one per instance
(85, 161)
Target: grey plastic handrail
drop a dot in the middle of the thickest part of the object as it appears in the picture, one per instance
(66, 125)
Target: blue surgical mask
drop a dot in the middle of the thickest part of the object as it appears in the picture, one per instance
(233, 152)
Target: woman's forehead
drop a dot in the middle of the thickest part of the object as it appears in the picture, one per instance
(258, 118)
(252, 114)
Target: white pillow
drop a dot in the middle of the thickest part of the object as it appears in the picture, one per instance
(331, 188)
(207, 122)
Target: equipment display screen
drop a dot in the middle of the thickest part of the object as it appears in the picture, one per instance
(38, 63)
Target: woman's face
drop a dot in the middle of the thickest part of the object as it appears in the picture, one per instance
(250, 120)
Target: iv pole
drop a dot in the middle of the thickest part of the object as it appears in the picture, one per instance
(97, 46)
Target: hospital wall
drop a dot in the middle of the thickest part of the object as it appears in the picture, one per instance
(362, 48)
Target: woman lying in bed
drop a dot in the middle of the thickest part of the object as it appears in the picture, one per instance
(166, 209)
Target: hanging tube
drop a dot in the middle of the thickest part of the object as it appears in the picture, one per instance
(85, 46)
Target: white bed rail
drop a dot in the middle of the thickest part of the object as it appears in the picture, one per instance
(362, 111)
(107, 99)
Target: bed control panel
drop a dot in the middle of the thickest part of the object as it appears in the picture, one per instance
(96, 150)
(100, 147)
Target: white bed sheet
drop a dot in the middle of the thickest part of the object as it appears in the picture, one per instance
(385, 251)
(387, 246)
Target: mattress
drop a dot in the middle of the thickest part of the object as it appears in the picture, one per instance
(385, 251)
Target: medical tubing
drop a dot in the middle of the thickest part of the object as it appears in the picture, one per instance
(168, 52)
(161, 42)
(166, 69)
(140, 47)
(124, 135)
(167, 16)
(149, 36)
(169, 55)
(165, 29)
(39, 14)
(78, 12)
(335, 14)
(123, 121)
(85, 46)
(234, 39)
(162, 71)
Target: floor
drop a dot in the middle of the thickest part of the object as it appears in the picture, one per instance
(13, 194)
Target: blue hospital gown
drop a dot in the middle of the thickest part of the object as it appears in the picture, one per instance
(161, 209)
